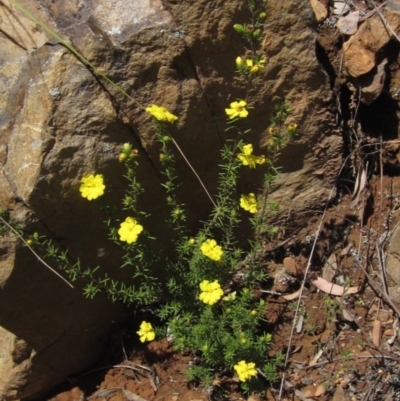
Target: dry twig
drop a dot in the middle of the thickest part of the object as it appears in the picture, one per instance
(37, 256)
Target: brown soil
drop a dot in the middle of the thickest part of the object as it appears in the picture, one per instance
(339, 330)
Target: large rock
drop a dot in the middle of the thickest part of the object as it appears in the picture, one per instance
(59, 121)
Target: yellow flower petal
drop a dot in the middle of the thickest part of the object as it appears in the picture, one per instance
(161, 113)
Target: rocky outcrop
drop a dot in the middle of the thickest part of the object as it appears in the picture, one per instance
(59, 121)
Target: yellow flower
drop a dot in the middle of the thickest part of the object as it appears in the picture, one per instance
(211, 292)
(248, 159)
(129, 230)
(245, 370)
(92, 186)
(249, 63)
(146, 332)
(238, 109)
(161, 113)
(249, 203)
(210, 249)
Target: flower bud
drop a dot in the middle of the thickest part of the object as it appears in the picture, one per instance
(262, 15)
(274, 230)
(238, 28)
(126, 148)
(166, 138)
(272, 130)
(134, 153)
(239, 62)
(256, 33)
(253, 312)
(255, 69)
(122, 157)
(191, 241)
(292, 128)
(177, 212)
(29, 241)
(128, 200)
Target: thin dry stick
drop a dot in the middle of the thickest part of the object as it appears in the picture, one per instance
(371, 13)
(382, 268)
(382, 356)
(133, 367)
(378, 249)
(38, 257)
(194, 172)
(304, 282)
(384, 20)
(377, 289)
(381, 180)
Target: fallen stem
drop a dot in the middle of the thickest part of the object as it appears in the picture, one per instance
(377, 290)
(194, 172)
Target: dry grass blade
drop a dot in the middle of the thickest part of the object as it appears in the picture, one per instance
(359, 186)
(317, 234)
(387, 25)
(382, 268)
(303, 286)
(377, 290)
(37, 256)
